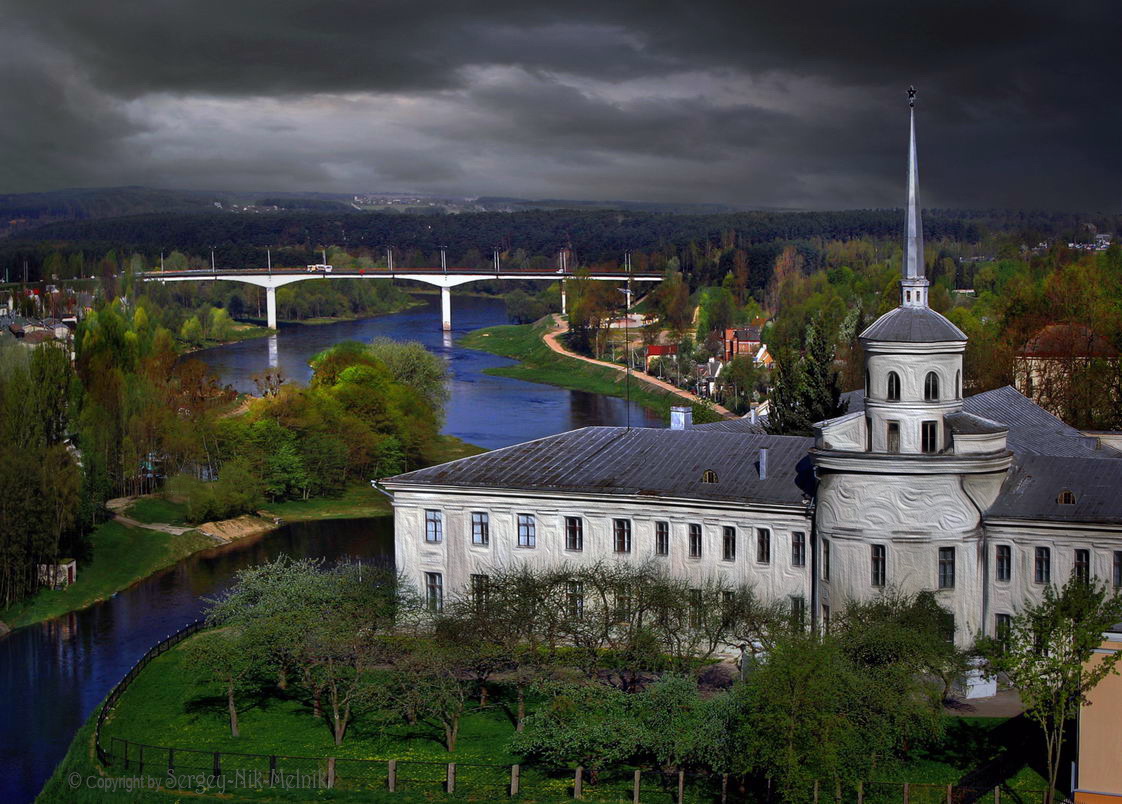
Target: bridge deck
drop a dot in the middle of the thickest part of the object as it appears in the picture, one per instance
(382, 273)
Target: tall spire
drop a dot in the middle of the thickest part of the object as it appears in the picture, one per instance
(913, 286)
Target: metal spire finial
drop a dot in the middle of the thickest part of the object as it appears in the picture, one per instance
(914, 285)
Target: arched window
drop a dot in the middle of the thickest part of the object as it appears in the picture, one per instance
(931, 387)
(893, 387)
(868, 383)
(708, 476)
(1066, 498)
(958, 385)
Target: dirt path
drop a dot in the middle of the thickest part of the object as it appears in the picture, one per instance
(119, 504)
(561, 327)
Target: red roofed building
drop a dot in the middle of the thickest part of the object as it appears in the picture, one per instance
(1053, 367)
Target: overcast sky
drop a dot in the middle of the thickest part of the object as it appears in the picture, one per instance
(780, 103)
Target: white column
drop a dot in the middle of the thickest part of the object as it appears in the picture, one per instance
(446, 309)
(271, 306)
(562, 297)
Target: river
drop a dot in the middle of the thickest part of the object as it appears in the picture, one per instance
(53, 674)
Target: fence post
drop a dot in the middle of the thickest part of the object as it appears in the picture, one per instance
(635, 787)
(907, 798)
(838, 791)
(450, 778)
(126, 742)
(724, 787)
(217, 763)
(815, 791)
(997, 795)
(330, 772)
(513, 780)
(272, 769)
(950, 794)
(171, 761)
(391, 775)
(140, 761)
(860, 793)
(576, 781)
(681, 786)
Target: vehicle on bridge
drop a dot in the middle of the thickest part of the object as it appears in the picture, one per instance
(320, 266)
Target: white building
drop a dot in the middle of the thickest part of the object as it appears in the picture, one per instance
(983, 500)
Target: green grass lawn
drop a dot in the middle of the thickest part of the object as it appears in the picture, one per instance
(359, 500)
(158, 509)
(121, 557)
(539, 363)
(171, 705)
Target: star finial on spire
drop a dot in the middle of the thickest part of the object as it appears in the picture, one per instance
(912, 96)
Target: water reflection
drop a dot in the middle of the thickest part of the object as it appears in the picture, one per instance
(53, 674)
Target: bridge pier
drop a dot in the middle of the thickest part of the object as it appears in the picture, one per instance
(446, 309)
(271, 306)
(562, 283)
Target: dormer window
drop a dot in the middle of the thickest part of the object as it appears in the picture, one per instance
(893, 387)
(1066, 497)
(931, 387)
(708, 476)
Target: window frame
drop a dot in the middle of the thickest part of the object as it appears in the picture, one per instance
(434, 526)
(696, 538)
(892, 428)
(1003, 559)
(480, 588)
(574, 599)
(1116, 569)
(931, 387)
(763, 545)
(878, 565)
(621, 535)
(662, 538)
(480, 528)
(728, 543)
(1042, 565)
(892, 391)
(798, 548)
(825, 559)
(1081, 565)
(947, 556)
(574, 533)
(434, 591)
(929, 436)
(527, 531)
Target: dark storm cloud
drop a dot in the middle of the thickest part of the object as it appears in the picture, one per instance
(784, 104)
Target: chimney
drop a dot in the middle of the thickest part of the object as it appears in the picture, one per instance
(755, 419)
(763, 463)
(681, 418)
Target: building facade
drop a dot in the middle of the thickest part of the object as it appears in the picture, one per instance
(983, 500)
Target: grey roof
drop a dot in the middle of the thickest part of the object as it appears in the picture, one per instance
(969, 424)
(1032, 429)
(641, 461)
(1035, 482)
(913, 325)
(741, 425)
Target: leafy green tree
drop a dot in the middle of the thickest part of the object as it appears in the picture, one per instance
(231, 656)
(1047, 655)
(805, 389)
(191, 332)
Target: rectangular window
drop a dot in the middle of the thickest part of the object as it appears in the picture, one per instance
(798, 611)
(480, 528)
(662, 538)
(728, 544)
(479, 588)
(893, 437)
(574, 533)
(763, 545)
(1117, 568)
(825, 560)
(623, 603)
(1004, 562)
(695, 541)
(575, 599)
(527, 531)
(695, 608)
(798, 549)
(946, 568)
(929, 436)
(879, 561)
(1002, 624)
(1082, 569)
(434, 526)
(621, 529)
(728, 601)
(826, 619)
(1043, 565)
(434, 591)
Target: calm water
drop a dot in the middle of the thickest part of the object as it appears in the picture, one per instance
(484, 410)
(53, 674)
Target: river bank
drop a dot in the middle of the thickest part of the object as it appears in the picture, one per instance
(538, 363)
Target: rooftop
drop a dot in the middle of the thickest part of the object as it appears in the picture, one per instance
(1032, 489)
(913, 325)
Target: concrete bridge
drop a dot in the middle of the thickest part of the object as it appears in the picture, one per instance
(443, 278)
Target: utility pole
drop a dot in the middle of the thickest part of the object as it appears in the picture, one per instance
(213, 270)
(444, 259)
(269, 258)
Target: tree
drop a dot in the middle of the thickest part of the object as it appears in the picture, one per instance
(1047, 655)
(231, 656)
(805, 389)
(192, 332)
